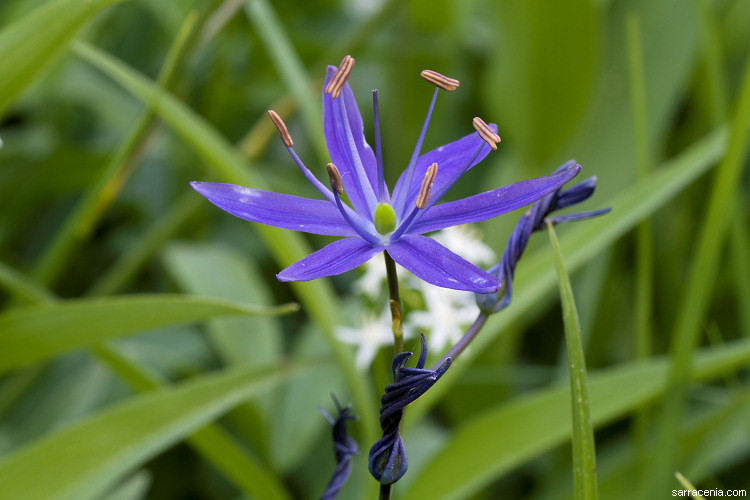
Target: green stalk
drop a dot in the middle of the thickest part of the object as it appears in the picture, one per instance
(89, 209)
(584, 448)
(697, 292)
(161, 231)
(644, 239)
(395, 303)
(644, 254)
(284, 57)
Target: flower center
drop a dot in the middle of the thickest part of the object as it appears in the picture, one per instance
(385, 218)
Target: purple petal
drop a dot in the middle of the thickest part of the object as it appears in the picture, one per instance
(342, 125)
(433, 263)
(274, 209)
(335, 258)
(491, 203)
(450, 158)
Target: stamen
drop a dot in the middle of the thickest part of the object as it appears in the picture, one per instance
(285, 136)
(335, 177)
(339, 78)
(417, 214)
(424, 190)
(422, 198)
(485, 132)
(338, 188)
(440, 81)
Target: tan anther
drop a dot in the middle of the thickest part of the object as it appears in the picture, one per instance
(440, 81)
(335, 177)
(276, 119)
(426, 187)
(485, 132)
(339, 78)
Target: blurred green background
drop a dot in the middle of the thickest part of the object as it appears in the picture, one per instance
(142, 350)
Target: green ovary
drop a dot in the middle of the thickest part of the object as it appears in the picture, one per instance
(385, 218)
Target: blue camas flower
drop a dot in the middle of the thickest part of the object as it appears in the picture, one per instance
(377, 220)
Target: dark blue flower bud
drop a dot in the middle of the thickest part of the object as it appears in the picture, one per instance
(343, 448)
(387, 460)
(534, 220)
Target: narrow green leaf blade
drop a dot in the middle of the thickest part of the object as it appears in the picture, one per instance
(31, 44)
(35, 333)
(584, 448)
(86, 459)
(509, 435)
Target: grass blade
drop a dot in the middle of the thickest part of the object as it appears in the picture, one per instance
(509, 435)
(35, 333)
(51, 27)
(85, 459)
(584, 448)
(696, 295)
(285, 59)
(82, 220)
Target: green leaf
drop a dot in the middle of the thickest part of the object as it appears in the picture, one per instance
(509, 435)
(584, 449)
(216, 270)
(133, 488)
(87, 458)
(284, 57)
(548, 68)
(35, 333)
(695, 297)
(31, 44)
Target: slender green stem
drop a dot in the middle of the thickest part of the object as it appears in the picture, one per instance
(644, 258)
(644, 252)
(697, 292)
(131, 261)
(79, 224)
(398, 332)
(385, 491)
(395, 302)
(464, 342)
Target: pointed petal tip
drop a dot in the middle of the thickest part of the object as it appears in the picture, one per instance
(201, 187)
(287, 279)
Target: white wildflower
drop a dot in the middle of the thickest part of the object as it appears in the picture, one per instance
(449, 312)
(375, 332)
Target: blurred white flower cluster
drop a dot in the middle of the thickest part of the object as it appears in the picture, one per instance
(446, 312)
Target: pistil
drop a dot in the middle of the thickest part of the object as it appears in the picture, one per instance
(382, 192)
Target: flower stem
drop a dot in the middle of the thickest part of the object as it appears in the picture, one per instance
(462, 344)
(395, 301)
(385, 491)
